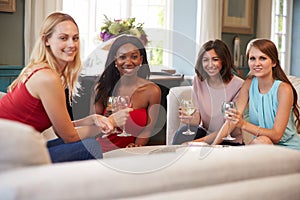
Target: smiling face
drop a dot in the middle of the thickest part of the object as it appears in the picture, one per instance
(64, 42)
(211, 63)
(128, 59)
(259, 63)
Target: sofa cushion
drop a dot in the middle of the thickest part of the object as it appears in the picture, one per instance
(21, 145)
(274, 187)
(179, 170)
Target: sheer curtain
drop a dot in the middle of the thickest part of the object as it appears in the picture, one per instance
(35, 13)
(209, 21)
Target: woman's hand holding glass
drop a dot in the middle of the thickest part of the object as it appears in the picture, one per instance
(186, 110)
(116, 116)
(103, 123)
(234, 116)
(123, 104)
(119, 118)
(228, 109)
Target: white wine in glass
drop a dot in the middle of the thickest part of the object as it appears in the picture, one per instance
(187, 108)
(111, 107)
(123, 102)
(226, 106)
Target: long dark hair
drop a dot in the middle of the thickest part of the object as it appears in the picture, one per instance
(269, 48)
(109, 78)
(223, 53)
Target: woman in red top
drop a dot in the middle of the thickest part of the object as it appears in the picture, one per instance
(37, 96)
(126, 70)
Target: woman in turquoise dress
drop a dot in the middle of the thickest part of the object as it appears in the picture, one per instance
(270, 98)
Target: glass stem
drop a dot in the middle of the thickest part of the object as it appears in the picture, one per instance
(228, 132)
(188, 126)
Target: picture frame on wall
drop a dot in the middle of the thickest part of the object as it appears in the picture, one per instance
(7, 5)
(238, 16)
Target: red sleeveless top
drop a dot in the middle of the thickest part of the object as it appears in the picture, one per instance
(19, 105)
(134, 125)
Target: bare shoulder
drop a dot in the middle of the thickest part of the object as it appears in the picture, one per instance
(153, 85)
(149, 86)
(154, 88)
(285, 95)
(247, 82)
(43, 80)
(285, 88)
(150, 91)
(45, 76)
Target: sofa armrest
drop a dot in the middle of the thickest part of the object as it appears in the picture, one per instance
(173, 99)
(21, 146)
(49, 134)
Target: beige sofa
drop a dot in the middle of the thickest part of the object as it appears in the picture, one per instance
(151, 172)
(177, 93)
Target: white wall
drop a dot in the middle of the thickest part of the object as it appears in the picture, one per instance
(184, 36)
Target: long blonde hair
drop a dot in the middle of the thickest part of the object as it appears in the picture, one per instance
(42, 54)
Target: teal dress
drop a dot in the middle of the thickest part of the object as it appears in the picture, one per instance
(262, 112)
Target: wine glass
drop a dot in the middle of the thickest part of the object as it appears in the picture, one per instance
(123, 102)
(111, 107)
(113, 103)
(225, 107)
(187, 108)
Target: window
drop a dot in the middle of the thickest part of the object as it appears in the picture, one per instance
(281, 30)
(155, 15)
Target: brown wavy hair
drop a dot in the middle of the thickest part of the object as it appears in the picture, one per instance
(223, 53)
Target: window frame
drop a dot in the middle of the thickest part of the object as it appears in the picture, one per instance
(93, 31)
(288, 33)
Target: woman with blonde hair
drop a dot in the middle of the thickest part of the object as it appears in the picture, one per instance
(37, 97)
